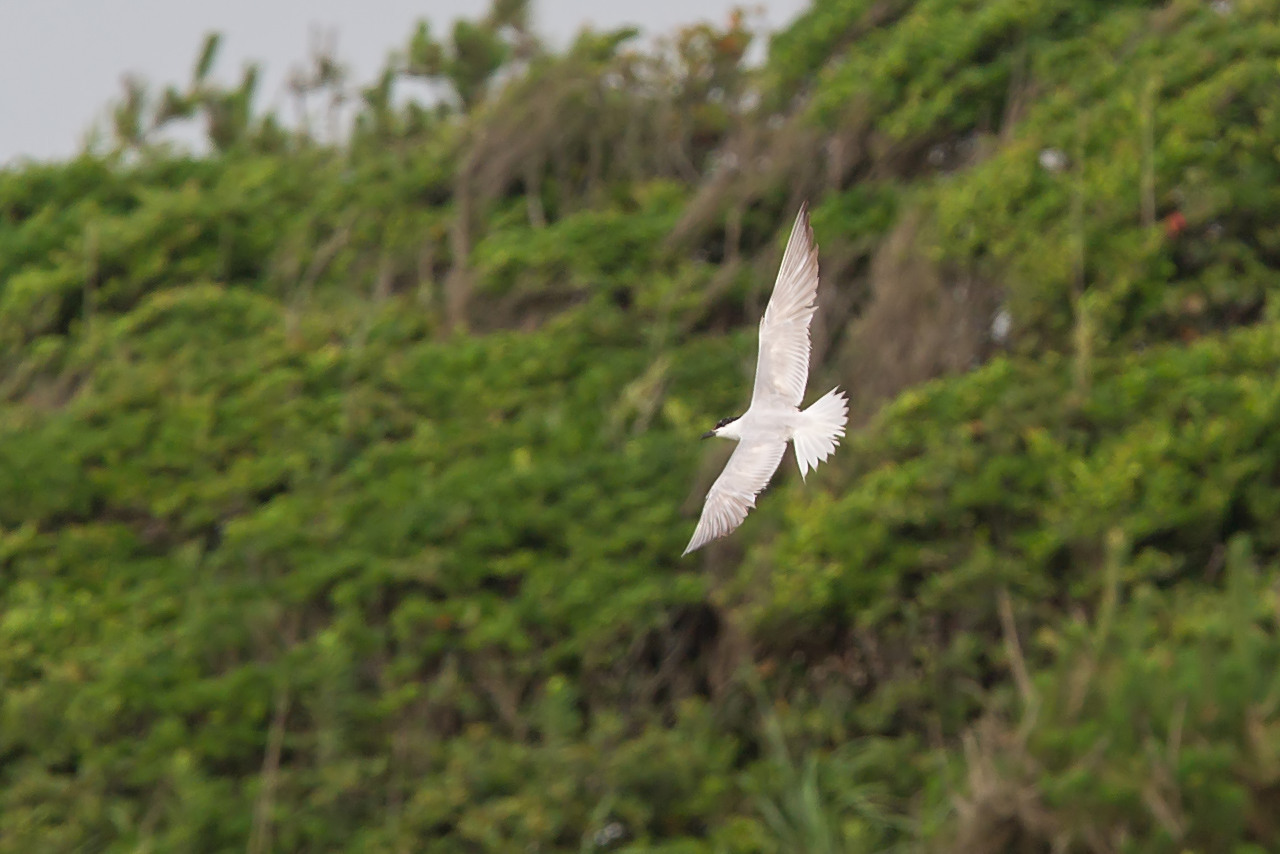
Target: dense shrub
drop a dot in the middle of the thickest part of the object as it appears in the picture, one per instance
(343, 483)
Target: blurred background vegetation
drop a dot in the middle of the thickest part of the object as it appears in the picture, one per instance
(343, 476)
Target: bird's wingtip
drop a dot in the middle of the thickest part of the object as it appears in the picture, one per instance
(695, 543)
(802, 215)
(803, 230)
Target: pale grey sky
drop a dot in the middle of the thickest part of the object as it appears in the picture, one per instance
(62, 61)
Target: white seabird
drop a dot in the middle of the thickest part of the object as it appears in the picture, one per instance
(774, 416)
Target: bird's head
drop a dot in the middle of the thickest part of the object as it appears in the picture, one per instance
(715, 431)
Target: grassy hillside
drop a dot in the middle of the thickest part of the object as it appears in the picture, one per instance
(343, 482)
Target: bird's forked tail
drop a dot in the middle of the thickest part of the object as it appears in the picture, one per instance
(820, 429)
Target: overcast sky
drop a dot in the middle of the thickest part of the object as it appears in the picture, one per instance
(61, 61)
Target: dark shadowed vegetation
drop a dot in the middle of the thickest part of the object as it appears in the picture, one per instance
(344, 471)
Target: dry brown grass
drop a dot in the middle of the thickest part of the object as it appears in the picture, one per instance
(919, 323)
(1001, 811)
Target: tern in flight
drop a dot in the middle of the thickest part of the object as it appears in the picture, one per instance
(774, 416)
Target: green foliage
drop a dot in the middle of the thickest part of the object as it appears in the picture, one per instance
(425, 55)
(1145, 285)
(618, 248)
(343, 480)
(1155, 722)
(477, 53)
(1006, 480)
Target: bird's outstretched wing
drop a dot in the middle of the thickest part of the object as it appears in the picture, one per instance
(734, 492)
(782, 368)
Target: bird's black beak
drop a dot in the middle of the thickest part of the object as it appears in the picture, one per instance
(708, 434)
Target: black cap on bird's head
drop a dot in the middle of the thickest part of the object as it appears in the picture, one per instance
(722, 422)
